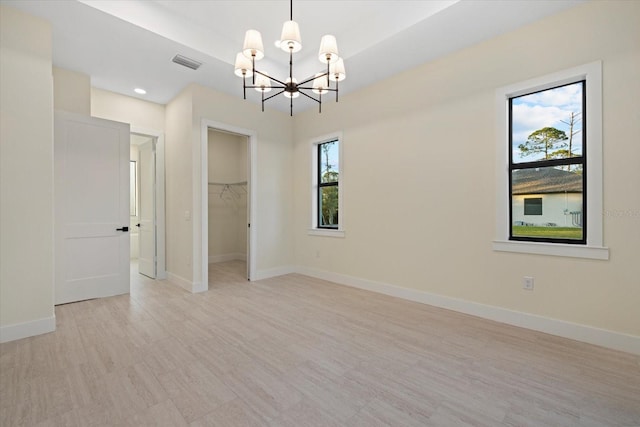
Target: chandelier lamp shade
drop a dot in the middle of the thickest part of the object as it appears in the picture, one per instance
(290, 41)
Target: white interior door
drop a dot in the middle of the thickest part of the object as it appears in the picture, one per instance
(91, 207)
(147, 214)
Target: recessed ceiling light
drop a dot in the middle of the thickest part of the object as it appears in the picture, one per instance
(140, 91)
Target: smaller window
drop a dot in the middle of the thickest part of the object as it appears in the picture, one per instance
(533, 206)
(328, 184)
(327, 214)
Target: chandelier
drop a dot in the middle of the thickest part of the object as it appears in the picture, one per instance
(290, 41)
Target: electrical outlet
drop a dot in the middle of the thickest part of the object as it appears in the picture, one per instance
(527, 283)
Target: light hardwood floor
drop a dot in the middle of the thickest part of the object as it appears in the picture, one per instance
(297, 351)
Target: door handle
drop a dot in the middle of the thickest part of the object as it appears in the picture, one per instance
(123, 229)
(138, 225)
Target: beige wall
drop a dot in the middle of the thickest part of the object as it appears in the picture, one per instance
(179, 193)
(184, 115)
(274, 164)
(227, 157)
(71, 91)
(26, 175)
(127, 109)
(419, 168)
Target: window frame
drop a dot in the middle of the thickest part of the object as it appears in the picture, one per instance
(322, 185)
(592, 247)
(549, 163)
(316, 184)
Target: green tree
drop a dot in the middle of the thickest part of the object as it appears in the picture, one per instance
(549, 141)
(330, 199)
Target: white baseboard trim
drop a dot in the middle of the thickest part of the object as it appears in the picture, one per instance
(575, 331)
(32, 328)
(273, 272)
(199, 287)
(185, 284)
(227, 257)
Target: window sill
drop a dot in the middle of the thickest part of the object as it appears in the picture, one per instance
(554, 249)
(325, 232)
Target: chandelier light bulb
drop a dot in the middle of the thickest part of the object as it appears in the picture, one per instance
(263, 84)
(336, 71)
(320, 84)
(290, 39)
(253, 45)
(328, 49)
(243, 66)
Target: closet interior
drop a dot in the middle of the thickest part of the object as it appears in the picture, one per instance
(228, 208)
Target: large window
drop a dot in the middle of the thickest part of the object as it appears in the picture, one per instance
(327, 218)
(547, 140)
(549, 157)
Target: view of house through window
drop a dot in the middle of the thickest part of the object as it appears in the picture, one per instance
(328, 179)
(547, 165)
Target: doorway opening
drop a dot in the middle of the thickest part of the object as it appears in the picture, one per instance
(147, 203)
(228, 172)
(227, 206)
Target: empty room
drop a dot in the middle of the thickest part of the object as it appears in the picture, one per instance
(320, 213)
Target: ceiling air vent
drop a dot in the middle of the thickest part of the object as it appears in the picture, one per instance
(187, 62)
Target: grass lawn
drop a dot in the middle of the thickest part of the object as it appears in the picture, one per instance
(552, 232)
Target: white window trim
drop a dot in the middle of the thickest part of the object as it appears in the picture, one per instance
(314, 230)
(594, 248)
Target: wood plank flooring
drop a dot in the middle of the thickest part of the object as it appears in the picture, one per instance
(297, 351)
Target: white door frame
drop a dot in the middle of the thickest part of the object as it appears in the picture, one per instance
(161, 265)
(252, 137)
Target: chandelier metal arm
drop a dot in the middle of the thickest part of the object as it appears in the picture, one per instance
(312, 78)
(269, 77)
(309, 96)
(260, 87)
(274, 95)
(327, 89)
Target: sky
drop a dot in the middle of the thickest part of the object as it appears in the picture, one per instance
(334, 157)
(546, 109)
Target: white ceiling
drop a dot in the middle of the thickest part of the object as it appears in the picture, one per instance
(127, 44)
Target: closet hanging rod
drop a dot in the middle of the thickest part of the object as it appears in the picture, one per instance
(228, 183)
